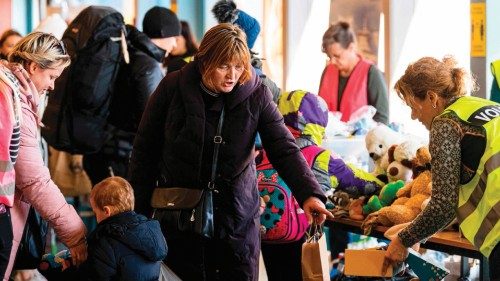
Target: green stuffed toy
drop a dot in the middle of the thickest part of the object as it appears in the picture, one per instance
(385, 198)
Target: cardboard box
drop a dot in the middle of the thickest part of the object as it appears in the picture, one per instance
(366, 262)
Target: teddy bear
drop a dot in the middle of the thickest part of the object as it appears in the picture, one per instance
(421, 172)
(347, 206)
(398, 163)
(378, 140)
(412, 198)
(399, 171)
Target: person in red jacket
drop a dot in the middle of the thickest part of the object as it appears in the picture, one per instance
(349, 81)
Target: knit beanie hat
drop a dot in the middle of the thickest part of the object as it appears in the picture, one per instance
(161, 22)
(225, 11)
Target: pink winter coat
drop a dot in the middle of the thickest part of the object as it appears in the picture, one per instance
(8, 119)
(34, 186)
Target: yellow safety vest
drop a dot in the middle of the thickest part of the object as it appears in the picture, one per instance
(479, 200)
(188, 59)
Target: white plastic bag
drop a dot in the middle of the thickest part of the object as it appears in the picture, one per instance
(166, 274)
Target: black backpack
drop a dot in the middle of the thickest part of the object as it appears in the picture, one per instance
(76, 116)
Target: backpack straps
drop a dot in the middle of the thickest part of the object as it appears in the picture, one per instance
(311, 152)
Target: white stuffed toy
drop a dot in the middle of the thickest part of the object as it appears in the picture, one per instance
(400, 158)
(378, 140)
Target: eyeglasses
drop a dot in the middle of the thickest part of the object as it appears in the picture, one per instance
(337, 55)
(226, 67)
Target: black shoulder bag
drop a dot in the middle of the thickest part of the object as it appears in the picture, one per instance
(32, 244)
(186, 210)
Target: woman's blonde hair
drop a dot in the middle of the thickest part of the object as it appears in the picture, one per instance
(41, 48)
(222, 44)
(442, 77)
(114, 192)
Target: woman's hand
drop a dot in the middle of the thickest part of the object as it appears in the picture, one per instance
(78, 253)
(396, 253)
(315, 209)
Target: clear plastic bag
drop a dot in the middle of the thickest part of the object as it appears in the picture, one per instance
(361, 120)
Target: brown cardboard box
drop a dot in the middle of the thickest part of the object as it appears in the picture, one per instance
(366, 262)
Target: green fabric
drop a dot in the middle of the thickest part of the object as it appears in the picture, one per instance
(377, 94)
(495, 86)
(495, 92)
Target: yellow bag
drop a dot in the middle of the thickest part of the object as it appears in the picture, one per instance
(67, 173)
(315, 256)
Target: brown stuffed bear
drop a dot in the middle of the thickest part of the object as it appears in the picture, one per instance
(411, 198)
(346, 206)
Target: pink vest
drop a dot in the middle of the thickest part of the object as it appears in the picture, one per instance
(355, 94)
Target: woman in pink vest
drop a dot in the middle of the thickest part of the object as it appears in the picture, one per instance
(349, 81)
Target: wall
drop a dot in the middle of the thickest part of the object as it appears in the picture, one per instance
(193, 14)
(307, 21)
(492, 39)
(19, 16)
(6, 8)
(421, 28)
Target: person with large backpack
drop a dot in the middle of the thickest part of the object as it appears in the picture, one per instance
(135, 82)
(306, 116)
(76, 115)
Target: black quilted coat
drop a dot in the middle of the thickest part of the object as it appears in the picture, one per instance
(169, 148)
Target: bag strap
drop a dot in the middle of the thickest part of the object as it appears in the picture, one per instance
(217, 143)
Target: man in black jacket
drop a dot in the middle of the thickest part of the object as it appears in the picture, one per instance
(136, 81)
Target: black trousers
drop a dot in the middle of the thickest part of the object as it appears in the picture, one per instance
(494, 263)
(196, 259)
(338, 241)
(5, 239)
(283, 261)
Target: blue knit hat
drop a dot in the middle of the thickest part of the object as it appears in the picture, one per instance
(225, 11)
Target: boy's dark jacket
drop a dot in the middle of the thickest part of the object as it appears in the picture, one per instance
(127, 246)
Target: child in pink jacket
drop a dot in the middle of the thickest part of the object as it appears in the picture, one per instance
(41, 58)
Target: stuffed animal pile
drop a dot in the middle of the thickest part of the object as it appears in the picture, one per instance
(411, 199)
(403, 164)
(378, 140)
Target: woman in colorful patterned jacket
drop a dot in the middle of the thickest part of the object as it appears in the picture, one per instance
(465, 148)
(306, 116)
(36, 61)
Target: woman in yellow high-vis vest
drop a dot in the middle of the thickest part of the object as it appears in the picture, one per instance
(465, 149)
